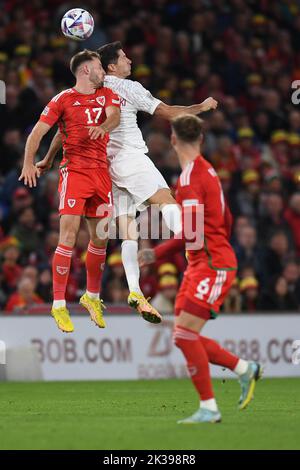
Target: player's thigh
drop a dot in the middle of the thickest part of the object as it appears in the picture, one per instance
(189, 321)
(162, 196)
(68, 229)
(123, 202)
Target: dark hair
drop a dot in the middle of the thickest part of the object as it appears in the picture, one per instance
(81, 57)
(188, 127)
(109, 53)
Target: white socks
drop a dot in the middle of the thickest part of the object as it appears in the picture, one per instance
(92, 295)
(241, 367)
(172, 217)
(58, 303)
(210, 404)
(129, 250)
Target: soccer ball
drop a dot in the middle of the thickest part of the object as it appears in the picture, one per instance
(77, 24)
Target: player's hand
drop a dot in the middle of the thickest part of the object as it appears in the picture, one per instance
(209, 103)
(96, 131)
(43, 166)
(30, 174)
(146, 256)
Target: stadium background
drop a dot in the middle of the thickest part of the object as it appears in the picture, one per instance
(243, 53)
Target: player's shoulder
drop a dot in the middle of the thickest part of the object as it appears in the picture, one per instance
(105, 90)
(204, 167)
(61, 96)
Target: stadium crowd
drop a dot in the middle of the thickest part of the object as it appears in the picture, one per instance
(243, 53)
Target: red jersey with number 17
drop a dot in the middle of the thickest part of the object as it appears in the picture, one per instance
(75, 112)
(199, 184)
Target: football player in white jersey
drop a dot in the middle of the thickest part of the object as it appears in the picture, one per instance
(136, 181)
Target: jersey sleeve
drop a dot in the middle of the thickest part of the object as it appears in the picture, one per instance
(51, 113)
(112, 99)
(142, 98)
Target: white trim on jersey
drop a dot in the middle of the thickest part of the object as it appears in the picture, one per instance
(185, 177)
(56, 97)
(217, 287)
(64, 172)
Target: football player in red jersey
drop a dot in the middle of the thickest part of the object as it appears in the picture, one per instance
(210, 273)
(85, 115)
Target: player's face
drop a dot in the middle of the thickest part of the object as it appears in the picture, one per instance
(123, 65)
(96, 73)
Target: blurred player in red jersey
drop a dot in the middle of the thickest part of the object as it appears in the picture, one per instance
(210, 273)
(85, 115)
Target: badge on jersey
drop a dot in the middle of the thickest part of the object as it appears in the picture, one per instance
(101, 100)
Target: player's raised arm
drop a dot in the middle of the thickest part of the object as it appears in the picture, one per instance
(46, 163)
(170, 112)
(111, 122)
(30, 172)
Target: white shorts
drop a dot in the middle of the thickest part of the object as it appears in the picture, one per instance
(135, 179)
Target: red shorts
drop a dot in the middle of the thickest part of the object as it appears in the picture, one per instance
(85, 192)
(203, 290)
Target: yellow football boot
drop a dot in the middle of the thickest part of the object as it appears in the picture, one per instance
(143, 307)
(62, 317)
(95, 309)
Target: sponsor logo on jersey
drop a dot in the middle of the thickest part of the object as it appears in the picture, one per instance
(71, 202)
(91, 101)
(101, 100)
(62, 270)
(76, 103)
(45, 111)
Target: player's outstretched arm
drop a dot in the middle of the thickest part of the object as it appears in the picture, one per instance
(111, 122)
(47, 162)
(30, 172)
(171, 112)
(163, 250)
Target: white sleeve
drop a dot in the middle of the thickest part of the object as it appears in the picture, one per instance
(141, 98)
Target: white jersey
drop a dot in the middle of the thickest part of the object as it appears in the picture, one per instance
(134, 97)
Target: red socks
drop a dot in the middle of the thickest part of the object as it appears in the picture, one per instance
(197, 360)
(60, 271)
(95, 262)
(217, 355)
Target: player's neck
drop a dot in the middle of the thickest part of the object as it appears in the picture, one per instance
(187, 153)
(85, 88)
(115, 74)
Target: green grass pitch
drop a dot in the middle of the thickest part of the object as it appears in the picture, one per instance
(142, 415)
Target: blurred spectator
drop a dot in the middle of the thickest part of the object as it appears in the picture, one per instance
(24, 298)
(233, 301)
(165, 298)
(292, 216)
(278, 298)
(250, 294)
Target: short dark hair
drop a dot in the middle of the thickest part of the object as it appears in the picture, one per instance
(109, 53)
(81, 57)
(188, 127)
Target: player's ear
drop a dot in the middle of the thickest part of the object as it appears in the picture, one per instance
(86, 69)
(111, 68)
(173, 139)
